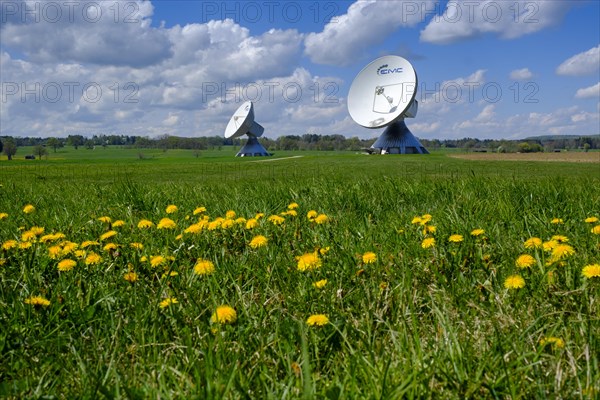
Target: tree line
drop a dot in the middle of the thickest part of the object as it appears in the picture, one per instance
(41, 146)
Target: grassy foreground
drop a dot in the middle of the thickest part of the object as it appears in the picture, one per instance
(356, 301)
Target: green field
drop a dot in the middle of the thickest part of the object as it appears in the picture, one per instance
(408, 322)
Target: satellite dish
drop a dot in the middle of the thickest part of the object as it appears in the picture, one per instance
(242, 123)
(382, 95)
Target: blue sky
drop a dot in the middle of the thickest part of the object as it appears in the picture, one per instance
(182, 67)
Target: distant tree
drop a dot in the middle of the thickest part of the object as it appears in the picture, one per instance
(10, 147)
(524, 147)
(89, 144)
(54, 143)
(0, 146)
(75, 141)
(40, 151)
(586, 147)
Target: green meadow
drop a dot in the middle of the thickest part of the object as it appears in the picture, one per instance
(344, 276)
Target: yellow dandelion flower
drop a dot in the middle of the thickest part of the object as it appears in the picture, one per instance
(156, 261)
(93, 259)
(230, 214)
(28, 236)
(320, 284)
(68, 247)
(66, 265)
(37, 230)
(240, 221)
(167, 302)
(214, 224)
(533, 243)
(9, 244)
(549, 245)
(425, 219)
(80, 254)
(145, 224)
(37, 301)
(416, 220)
(130, 277)
(557, 221)
(514, 282)
(525, 261)
(560, 238)
(309, 262)
(555, 342)
(427, 229)
(28, 209)
(259, 216)
(251, 223)
(47, 238)
(324, 250)
(3, 216)
(204, 267)
(456, 238)
(143, 259)
(427, 243)
(136, 245)
(276, 219)
(171, 209)
(118, 223)
(110, 247)
(89, 243)
(199, 210)
(562, 251)
(477, 232)
(258, 241)
(292, 206)
(194, 228)
(369, 257)
(312, 214)
(321, 219)
(166, 223)
(2, 261)
(589, 220)
(228, 223)
(105, 219)
(591, 271)
(25, 245)
(54, 252)
(224, 315)
(292, 213)
(596, 230)
(108, 235)
(317, 320)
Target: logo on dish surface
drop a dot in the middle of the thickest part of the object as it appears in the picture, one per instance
(384, 70)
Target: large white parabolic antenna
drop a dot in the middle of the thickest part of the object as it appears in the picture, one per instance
(242, 123)
(382, 95)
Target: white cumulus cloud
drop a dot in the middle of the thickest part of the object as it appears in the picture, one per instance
(581, 64)
(589, 92)
(521, 74)
(349, 37)
(103, 33)
(462, 20)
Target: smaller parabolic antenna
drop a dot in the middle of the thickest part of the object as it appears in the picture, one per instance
(242, 123)
(382, 95)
